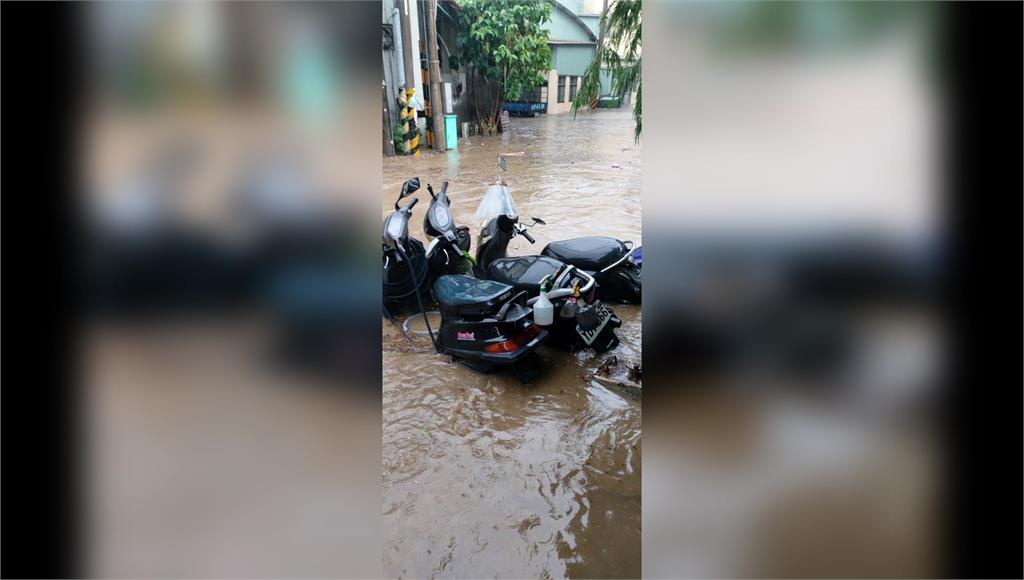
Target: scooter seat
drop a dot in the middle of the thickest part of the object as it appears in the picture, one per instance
(588, 253)
(524, 272)
(460, 291)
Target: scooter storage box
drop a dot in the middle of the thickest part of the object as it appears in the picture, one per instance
(470, 296)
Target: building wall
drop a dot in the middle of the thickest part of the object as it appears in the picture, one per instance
(387, 7)
(447, 32)
(554, 107)
(569, 59)
(593, 22)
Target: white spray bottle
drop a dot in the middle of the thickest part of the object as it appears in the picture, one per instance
(543, 310)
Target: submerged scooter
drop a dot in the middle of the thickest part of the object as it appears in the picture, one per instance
(483, 323)
(614, 264)
(448, 252)
(580, 320)
(405, 263)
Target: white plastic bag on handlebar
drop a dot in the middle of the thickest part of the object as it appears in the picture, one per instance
(497, 201)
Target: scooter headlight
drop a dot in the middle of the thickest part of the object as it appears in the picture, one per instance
(442, 217)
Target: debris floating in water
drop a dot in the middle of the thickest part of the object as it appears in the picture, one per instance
(405, 343)
(623, 376)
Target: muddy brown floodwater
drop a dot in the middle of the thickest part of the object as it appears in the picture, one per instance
(484, 477)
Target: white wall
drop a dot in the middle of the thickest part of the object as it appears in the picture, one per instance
(414, 21)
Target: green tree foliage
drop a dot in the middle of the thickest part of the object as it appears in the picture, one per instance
(504, 46)
(620, 55)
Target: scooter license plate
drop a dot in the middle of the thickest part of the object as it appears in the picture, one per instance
(605, 315)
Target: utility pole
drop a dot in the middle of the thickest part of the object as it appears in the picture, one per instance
(601, 26)
(436, 106)
(600, 54)
(408, 116)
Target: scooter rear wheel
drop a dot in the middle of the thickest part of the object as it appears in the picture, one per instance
(480, 367)
(528, 369)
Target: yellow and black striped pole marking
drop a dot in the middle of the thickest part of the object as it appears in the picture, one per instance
(407, 116)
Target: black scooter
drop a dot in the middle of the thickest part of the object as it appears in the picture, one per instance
(405, 263)
(580, 319)
(448, 251)
(609, 260)
(483, 323)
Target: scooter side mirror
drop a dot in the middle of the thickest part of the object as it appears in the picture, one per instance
(537, 220)
(410, 187)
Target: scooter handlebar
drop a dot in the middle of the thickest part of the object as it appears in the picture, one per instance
(527, 235)
(414, 201)
(562, 292)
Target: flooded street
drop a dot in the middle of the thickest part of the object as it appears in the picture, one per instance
(487, 477)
